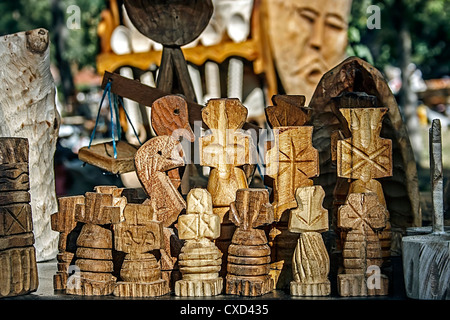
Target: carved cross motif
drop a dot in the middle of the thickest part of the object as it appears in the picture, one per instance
(360, 211)
(225, 148)
(199, 222)
(291, 161)
(364, 155)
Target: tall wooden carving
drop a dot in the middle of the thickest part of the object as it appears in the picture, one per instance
(310, 262)
(249, 253)
(363, 157)
(225, 148)
(18, 269)
(136, 235)
(200, 260)
(291, 161)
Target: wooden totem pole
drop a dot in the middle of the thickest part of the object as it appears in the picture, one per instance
(18, 268)
(225, 148)
(136, 235)
(363, 157)
(249, 253)
(291, 162)
(200, 260)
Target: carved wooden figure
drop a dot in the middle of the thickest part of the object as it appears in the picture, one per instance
(310, 263)
(64, 222)
(18, 268)
(364, 156)
(291, 161)
(200, 260)
(153, 159)
(249, 253)
(225, 148)
(362, 216)
(137, 235)
(94, 260)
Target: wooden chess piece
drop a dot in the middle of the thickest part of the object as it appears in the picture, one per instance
(137, 235)
(249, 253)
(200, 260)
(18, 268)
(310, 262)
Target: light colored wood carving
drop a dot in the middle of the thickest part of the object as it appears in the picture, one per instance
(249, 253)
(18, 271)
(153, 159)
(137, 235)
(27, 104)
(362, 215)
(200, 260)
(310, 263)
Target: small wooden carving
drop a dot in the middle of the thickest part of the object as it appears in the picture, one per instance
(362, 216)
(64, 222)
(249, 253)
(200, 260)
(94, 261)
(137, 235)
(18, 268)
(153, 159)
(310, 262)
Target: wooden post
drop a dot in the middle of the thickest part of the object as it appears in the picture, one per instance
(27, 104)
(426, 258)
(18, 268)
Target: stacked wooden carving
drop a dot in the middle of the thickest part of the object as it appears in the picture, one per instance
(18, 269)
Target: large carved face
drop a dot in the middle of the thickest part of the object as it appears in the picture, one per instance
(307, 39)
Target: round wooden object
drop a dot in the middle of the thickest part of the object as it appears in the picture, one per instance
(170, 22)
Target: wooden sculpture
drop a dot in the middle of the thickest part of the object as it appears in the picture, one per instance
(249, 253)
(225, 148)
(290, 161)
(173, 24)
(94, 260)
(310, 262)
(356, 75)
(426, 258)
(18, 268)
(28, 108)
(364, 156)
(153, 159)
(137, 235)
(64, 222)
(362, 215)
(200, 260)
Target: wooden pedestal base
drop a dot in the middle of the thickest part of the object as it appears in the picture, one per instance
(141, 289)
(199, 288)
(86, 286)
(310, 289)
(355, 285)
(249, 286)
